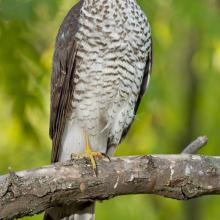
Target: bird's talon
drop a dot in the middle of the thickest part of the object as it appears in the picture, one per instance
(106, 156)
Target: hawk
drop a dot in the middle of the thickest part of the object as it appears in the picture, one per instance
(101, 69)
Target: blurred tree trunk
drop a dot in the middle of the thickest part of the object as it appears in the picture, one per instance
(192, 86)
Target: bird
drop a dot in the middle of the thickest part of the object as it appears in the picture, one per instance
(101, 69)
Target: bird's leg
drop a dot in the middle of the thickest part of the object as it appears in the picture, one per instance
(89, 153)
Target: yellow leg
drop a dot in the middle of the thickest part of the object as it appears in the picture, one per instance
(89, 153)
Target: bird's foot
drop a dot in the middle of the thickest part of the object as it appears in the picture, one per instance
(90, 154)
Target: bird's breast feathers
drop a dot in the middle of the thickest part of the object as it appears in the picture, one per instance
(113, 45)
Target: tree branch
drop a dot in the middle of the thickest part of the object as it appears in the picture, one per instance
(175, 176)
(197, 144)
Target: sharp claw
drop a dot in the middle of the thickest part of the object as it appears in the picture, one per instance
(96, 171)
(93, 162)
(106, 156)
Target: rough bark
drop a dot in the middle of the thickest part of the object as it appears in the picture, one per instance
(175, 176)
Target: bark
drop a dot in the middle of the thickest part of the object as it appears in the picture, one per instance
(175, 176)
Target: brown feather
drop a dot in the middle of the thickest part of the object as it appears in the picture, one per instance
(62, 82)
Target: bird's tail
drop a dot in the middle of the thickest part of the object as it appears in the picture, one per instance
(81, 211)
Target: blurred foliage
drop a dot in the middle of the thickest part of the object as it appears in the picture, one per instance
(182, 101)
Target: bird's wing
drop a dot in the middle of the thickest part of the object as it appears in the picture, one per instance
(62, 86)
(144, 85)
(147, 72)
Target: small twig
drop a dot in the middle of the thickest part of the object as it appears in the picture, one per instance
(197, 144)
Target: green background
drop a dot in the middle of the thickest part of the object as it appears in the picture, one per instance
(182, 101)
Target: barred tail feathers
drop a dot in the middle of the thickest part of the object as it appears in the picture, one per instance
(82, 211)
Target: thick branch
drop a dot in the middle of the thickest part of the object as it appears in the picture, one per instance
(175, 176)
